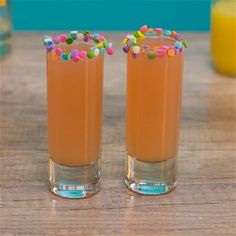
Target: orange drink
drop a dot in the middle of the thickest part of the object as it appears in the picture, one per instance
(74, 91)
(75, 111)
(154, 81)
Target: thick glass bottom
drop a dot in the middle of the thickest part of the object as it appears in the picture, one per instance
(150, 178)
(74, 182)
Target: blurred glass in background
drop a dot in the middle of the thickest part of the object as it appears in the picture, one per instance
(5, 27)
(223, 36)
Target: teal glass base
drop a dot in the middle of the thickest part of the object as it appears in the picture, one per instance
(74, 182)
(150, 178)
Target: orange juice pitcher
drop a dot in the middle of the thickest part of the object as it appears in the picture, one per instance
(223, 36)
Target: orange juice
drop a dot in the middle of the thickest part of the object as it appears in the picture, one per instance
(75, 110)
(223, 36)
(153, 105)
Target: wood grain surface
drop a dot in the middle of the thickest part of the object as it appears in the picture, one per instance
(204, 203)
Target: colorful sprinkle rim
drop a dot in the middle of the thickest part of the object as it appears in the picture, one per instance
(131, 45)
(100, 46)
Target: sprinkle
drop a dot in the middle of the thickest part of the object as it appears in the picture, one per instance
(134, 43)
(56, 40)
(128, 44)
(95, 35)
(159, 30)
(136, 49)
(90, 54)
(125, 49)
(95, 40)
(80, 36)
(50, 47)
(143, 28)
(177, 51)
(141, 35)
(124, 41)
(63, 38)
(151, 55)
(105, 44)
(83, 54)
(178, 37)
(138, 34)
(110, 51)
(150, 30)
(86, 32)
(58, 51)
(96, 52)
(86, 38)
(173, 34)
(185, 43)
(102, 50)
(100, 37)
(46, 40)
(49, 42)
(178, 45)
(131, 44)
(64, 57)
(165, 47)
(171, 52)
(167, 32)
(133, 40)
(74, 52)
(100, 45)
(73, 34)
(68, 55)
(54, 57)
(69, 40)
(76, 59)
(146, 46)
(160, 52)
(109, 44)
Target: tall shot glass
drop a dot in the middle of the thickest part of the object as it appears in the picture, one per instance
(154, 79)
(74, 92)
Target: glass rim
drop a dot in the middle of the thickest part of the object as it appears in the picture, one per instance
(58, 46)
(131, 43)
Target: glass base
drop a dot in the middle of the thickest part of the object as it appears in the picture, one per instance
(74, 182)
(150, 178)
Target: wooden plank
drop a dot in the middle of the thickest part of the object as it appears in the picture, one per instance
(204, 202)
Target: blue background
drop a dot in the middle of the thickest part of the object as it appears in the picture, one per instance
(110, 14)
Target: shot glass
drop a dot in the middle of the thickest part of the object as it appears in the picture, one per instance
(74, 92)
(154, 77)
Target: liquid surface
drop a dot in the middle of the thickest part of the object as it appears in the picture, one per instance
(153, 105)
(75, 110)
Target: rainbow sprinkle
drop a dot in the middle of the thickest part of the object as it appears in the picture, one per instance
(100, 46)
(131, 43)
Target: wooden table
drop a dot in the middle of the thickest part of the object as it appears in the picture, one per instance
(204, 201)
